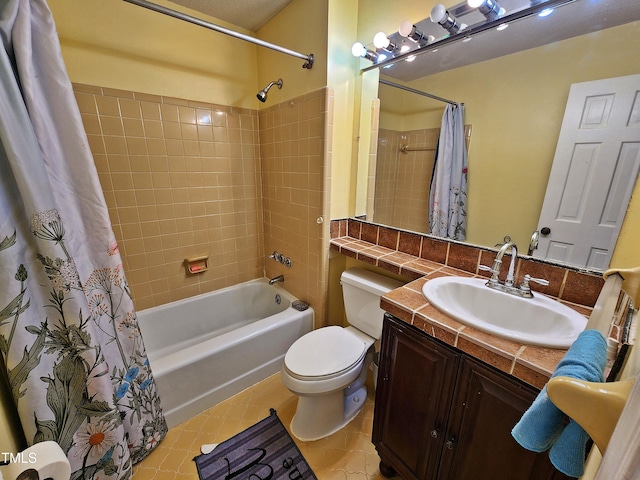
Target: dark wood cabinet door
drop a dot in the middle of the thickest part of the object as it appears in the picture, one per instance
(415, 383)
(479, 446)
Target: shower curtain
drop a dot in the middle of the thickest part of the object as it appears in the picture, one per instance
(448, 194)
(75, 360)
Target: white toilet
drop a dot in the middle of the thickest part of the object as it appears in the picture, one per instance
(327, 368)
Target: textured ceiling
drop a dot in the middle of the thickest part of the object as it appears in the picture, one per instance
(249, 14)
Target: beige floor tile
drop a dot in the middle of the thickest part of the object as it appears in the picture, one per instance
(346, 455)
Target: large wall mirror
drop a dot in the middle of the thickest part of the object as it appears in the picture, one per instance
(515, 105)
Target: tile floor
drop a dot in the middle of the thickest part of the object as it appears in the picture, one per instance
(346, 455)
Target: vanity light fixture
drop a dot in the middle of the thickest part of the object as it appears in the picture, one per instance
(441, 16)
(381, 41)
(489, 8)
(359, 50)
(409, 30)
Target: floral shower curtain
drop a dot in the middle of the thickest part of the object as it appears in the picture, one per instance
(75, 360)
(448, 194)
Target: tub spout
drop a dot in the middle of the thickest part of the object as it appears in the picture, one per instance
(274, 280)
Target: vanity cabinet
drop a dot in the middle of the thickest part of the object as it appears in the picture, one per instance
(440, 414)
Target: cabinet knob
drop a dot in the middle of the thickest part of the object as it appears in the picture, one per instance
(435, 433)
(450, 443)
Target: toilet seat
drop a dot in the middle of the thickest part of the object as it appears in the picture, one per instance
(324, 353)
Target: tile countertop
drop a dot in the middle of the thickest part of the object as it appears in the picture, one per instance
(531, 364)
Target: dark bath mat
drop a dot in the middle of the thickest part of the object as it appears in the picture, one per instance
(263, 451)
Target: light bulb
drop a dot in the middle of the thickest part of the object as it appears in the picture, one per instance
(438, 13)
(441, 16)
(358, 50)
(380, 40)
(409, 30)
(405, 28)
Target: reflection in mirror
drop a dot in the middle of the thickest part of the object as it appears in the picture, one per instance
(405, 157)
(516, 104)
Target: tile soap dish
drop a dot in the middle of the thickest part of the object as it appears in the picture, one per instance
(196, 265)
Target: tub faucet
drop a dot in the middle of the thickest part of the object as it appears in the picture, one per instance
(274, 280)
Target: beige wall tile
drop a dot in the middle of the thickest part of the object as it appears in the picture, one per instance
(149, 153)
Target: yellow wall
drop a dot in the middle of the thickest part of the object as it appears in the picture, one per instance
(293, 29)
(341, 78)
(386, 15)
(115, 44)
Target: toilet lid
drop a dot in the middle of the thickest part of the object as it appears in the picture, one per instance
(324, 352)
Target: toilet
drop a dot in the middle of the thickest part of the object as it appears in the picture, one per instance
(327, 368)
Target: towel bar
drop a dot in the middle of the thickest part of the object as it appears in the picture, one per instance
(631, 282)
(595, 406)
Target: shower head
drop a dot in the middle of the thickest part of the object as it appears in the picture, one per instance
(262, 94)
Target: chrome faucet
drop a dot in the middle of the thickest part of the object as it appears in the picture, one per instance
(274, 280)
(533, 244)
(494, 281)
(524, 290)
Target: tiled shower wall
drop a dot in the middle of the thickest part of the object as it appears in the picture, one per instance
(295, 156)
(184, 179)
(181, 179)
(403, 179)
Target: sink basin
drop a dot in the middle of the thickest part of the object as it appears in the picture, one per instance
(539, 321)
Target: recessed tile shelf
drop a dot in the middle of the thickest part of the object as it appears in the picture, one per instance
(420, 258)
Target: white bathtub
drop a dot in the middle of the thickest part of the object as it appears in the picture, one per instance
(204, 349)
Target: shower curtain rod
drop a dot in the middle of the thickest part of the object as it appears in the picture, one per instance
(409, 89)
(212, 26)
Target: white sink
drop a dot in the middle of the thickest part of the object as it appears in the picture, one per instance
(539, 321)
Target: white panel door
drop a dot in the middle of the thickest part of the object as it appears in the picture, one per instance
(594, 172)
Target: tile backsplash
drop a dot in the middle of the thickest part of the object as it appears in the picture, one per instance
(565, 283)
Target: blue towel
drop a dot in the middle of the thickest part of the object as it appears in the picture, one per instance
(568, 453)
(542, 425)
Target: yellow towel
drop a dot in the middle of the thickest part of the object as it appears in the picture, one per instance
(631, 283)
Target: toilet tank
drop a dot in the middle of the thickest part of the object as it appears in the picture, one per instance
(361, 290)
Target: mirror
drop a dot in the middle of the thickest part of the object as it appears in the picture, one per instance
(515, 105)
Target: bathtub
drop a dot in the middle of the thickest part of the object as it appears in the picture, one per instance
(207, 348)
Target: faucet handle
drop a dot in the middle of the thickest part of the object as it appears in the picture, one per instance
(541, 281)
(276, 256)
(526, 289)
(494, 273)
